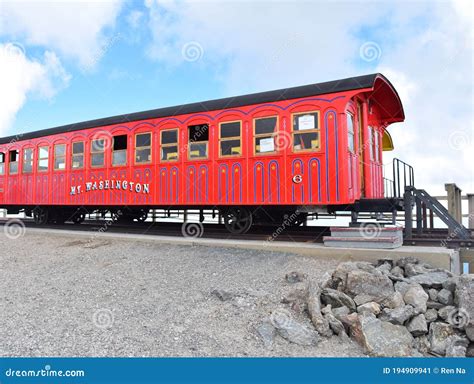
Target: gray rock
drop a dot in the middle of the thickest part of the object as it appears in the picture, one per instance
(337, 299)
(431, 315)
(438, 336)
(340, 311)
(433, 294)
(431, 279)
(417, 298)
(398, 315)
(295, 277)
(464, 296)
(447, 313)
(343, 269)
(369, 308)
(418, 326)
(359, 281)
(393, 301)
(384, 268)
(336, 325)
(222, 295)
(469, 329)
(349, 320)
(292, 330)
(364, 298)
(434, 305)
(397, 271)
(403, 261)
(403, 287)
(456, 346)
(422, 344)
(445, 297)
(451, 283)
(385, 261)
(326, 281)
(418, 269)
(313, 303)
(470, 350)
(267, 332)
(295, 293)
(383, 339)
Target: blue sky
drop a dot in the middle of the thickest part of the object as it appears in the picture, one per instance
(63, 62)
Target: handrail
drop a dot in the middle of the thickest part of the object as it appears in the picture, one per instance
(403, 174)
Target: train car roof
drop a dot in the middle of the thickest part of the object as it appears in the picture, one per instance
(348, 84)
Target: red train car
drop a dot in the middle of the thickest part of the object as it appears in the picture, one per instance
(255, 158)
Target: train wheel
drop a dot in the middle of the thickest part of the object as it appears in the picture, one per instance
(237, 220)
(300, 219)
(40, 216)
(78, 217)
(142, 215)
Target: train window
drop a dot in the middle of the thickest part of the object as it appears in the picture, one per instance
(98, 153)
(143, 148)
(28, 160)
(265, 132)
(2, 163)
(60, 157)
(119, 151)
(43, 158)
(306, 131)
(13, 162)
(78, 155)
(350, 131)
(198, 141)
(229, 139)
(169, 145)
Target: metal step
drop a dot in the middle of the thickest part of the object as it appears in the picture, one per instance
(362, 242)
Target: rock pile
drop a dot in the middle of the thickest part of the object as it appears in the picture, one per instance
(402, 308)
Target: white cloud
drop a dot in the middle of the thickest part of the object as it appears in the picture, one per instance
(74, 29)
(426, 51)
(21, 77)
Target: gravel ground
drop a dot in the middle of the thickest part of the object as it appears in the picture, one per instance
(81, 296)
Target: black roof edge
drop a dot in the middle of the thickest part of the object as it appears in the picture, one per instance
(348, 84)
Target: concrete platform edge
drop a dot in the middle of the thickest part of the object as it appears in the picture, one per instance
(437, 257)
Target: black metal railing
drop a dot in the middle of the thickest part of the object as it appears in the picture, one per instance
(403, 176)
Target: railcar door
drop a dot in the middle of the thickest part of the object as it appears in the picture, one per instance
(231, 165)
(2, 177)
(361, 152)
(197, 164)
(309, 178)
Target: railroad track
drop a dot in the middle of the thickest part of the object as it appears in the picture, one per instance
(304, 234)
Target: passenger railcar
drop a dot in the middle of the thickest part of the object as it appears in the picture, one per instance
(255, 158)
